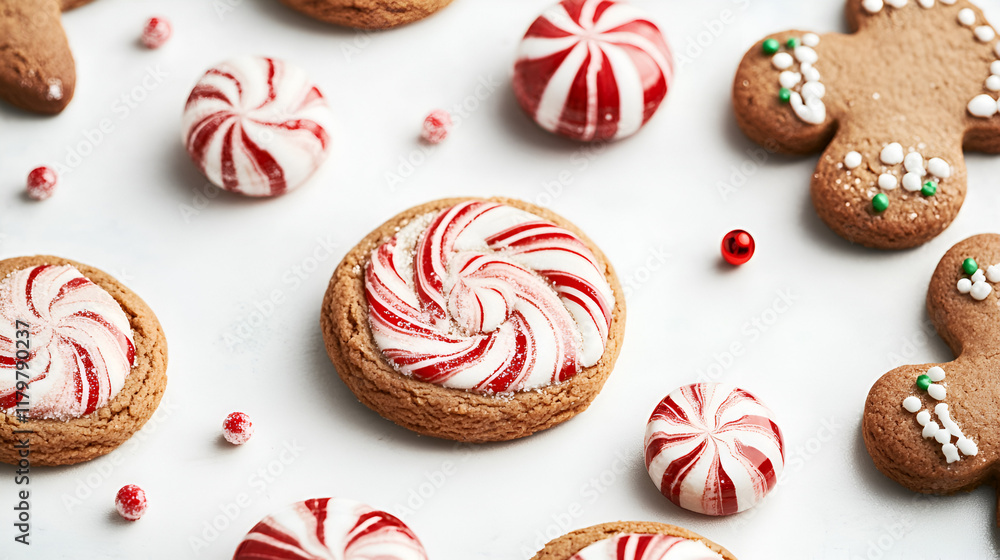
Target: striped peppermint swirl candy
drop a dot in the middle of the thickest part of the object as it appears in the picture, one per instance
(713, 448)
(80, 342)
(593, 69)
(488, 298)
(646, 547)
(257, 126)
(330, 529)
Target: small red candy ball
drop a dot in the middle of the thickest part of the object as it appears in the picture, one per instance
(131, 502)
(41, 183)
(156, 32)
(437, 125)
(237, 428)
(737, 247)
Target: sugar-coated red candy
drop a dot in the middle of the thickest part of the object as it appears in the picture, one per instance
(437, 125)
(131, 502)
(156, 32)
(41, 183)
(237, 428)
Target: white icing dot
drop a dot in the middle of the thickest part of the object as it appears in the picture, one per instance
(996, 49)
(993, 273)
(939, 168)
(995, 66)
(923, 417)
(852, 160)
(914, 163)
(810, 39)
(930, 429)
(937, 392)
(967, 17)
(912, 182)
(887, 182)
(782, 61)
(806, 55)
(950, 452)
(789, 79)
(936, 373)
(967, 446)
(926, 3)
(813, 90)
(979, 276)
(948, 2)
(985, 33)
(965, 285)
(912, 404)
(811, 73)
(873, 6)
(943, 436)
(983, 106)
(811, 111)
(980, 290)
(892, 154)
(896, 3)
(993, 83)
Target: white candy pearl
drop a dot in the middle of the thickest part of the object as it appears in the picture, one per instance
(993, 83)
(979, 276)
(811, 74)
(993, 273)
(939, 168)
(995, 68)
(950, 452)
(806, 55)
(967, 446)
(949, 2)
(912, 404)
(983, 106)
(926, 3)
(980, 291)
(965, 285)
(873, 6)
(985, 33)
(914, 163)
(813, 90)
(937, 392)
(782, 61)
(887, 182)
(789, 79)
(943, 436)
(967, 17)
(896, 3)
(923, 417)
(892, 154)
(810, 39)
(852, 160)
(936, 373)
(912, 182)
(930, 429)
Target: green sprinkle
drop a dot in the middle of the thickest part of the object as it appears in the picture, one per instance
(785, 95)
(924, 381)
(771, 46)
(880, 202)
(969, 266)
(792, 42)
(930, 189)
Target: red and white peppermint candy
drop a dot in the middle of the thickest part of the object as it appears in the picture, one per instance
(530, 302)
(330, 528)
(257, 126)
(81, 347)
(646, 547)
(593, 69)
(713, 448)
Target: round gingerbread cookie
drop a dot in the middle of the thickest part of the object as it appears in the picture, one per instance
(367, 14)
(474, 320)
(82, 361)
(633, 540)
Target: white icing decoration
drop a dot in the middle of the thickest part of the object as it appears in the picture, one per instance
(813, 90)
(979, 276)
(950, 452)
(965, 285)
(930, 429)
(937, 392)
(985, 33)
(983, 106)
(914, 163)
(949, 2)
(948, 429)
(995, 67)
(789, 79)
(811, 73)
(923, 417)
(892, 154)
(941, 409)
(967, 17)
(912, 404)
(939, 168)
(852, 160)
(806, 55)
(912, 182)
(980, 291)
(936, 374)
(887, 182)
(782, 61)
(896, 3)
(967, 446)
(926, 3)
(812, 110)
(993, 273)
(873, 6)
(993, 83)
(810, 39)
(942, 436)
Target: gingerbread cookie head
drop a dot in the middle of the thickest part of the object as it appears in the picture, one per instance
(893, 104)
(934, 427)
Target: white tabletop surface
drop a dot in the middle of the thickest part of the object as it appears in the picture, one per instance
(133, 204)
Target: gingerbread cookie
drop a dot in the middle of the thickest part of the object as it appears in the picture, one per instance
(633, 540)
(82, 361)
(330, 528)
(891, 106)
(714, 449)
(37, 72)
(592, 70)
(367, 14)
(474, 320)
(933, 427)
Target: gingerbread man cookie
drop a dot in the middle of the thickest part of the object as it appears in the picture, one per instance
(893, 105)
(933, 427)
(37, 72)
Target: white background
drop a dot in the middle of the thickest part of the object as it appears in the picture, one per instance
(132, 205)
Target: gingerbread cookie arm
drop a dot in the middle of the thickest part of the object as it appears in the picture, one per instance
(37, 72)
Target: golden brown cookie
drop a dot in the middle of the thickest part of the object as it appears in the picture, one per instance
(37, 72)
(935, 428)
(64, 442)
(436, 410)
(568, 545)
(367, 14)
(891, 106)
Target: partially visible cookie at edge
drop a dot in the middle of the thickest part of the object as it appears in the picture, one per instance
(367, 14)
(571, 544)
